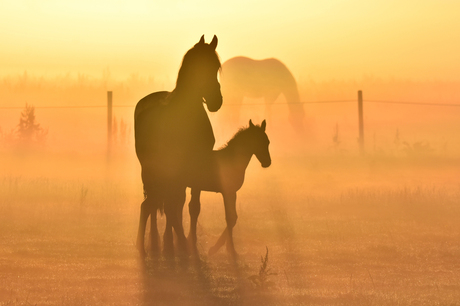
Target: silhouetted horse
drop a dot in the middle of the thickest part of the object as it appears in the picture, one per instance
(172, 129)
(244, 77)
(223, 171)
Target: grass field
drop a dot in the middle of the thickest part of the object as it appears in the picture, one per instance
(339, 231)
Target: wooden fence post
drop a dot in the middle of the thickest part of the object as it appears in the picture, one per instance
(109, 121)
(361, 122)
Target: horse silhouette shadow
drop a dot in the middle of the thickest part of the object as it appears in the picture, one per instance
(223, 171)
(174, 141)
(172, 129)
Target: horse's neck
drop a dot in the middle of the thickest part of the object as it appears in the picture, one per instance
(186, 90)
(186, 102)
(240, 155)
(191, 121)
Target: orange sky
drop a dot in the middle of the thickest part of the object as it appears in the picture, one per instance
(316, 39)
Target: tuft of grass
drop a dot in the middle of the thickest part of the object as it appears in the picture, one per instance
(261, 281)
(83, 194)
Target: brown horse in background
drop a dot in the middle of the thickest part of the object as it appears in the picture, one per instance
(269, 78)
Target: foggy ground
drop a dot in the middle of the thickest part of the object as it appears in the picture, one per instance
(340, 230)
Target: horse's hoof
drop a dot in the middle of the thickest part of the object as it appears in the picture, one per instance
(234, 255)
(192, 249)
(183, 248)
(191, 246)
(231, 250)
(155, 251)
(168, 250)
(140, 249)
(154, 247)
(191, 240)
(213, 250)
(142, 254)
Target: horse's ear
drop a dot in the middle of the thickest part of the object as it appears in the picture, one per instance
(213, 43)
(201, 40)
(264, 124)
(251, 125)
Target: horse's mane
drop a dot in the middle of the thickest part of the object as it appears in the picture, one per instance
(241, 133)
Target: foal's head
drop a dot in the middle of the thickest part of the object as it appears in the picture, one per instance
(198, 73)
(259, 143)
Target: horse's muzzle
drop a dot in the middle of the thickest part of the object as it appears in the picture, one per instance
(214, 104)
(266, 164)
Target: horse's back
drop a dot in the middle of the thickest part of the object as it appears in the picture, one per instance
(241, 66)
(153, 100)
(256, 78)
(169, 130)
(146, 115)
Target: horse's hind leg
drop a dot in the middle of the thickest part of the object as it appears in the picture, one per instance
(154, 235)
(194, 210)
(168, 238)
(179, 202)
(168, 243)
(145, 212)
(230, 217)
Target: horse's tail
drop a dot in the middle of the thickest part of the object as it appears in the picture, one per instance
(151, 187)
(291, 93)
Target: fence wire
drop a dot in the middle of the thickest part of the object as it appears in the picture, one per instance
(249, 104)
(412, 103)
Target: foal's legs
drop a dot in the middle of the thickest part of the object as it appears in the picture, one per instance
(230, 217)
(194, 208)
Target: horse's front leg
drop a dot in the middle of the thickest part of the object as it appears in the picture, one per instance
(231, 217)
(174, 205)
(194, 208)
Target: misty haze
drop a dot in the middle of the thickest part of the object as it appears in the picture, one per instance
(332, 211)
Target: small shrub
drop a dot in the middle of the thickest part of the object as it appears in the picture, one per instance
(260, 280)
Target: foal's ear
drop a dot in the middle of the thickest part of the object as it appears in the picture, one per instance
(201, 40)
(263, 125)
(251, 125)
(213, 43)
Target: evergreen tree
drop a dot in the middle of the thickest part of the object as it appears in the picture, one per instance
(28, 130)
